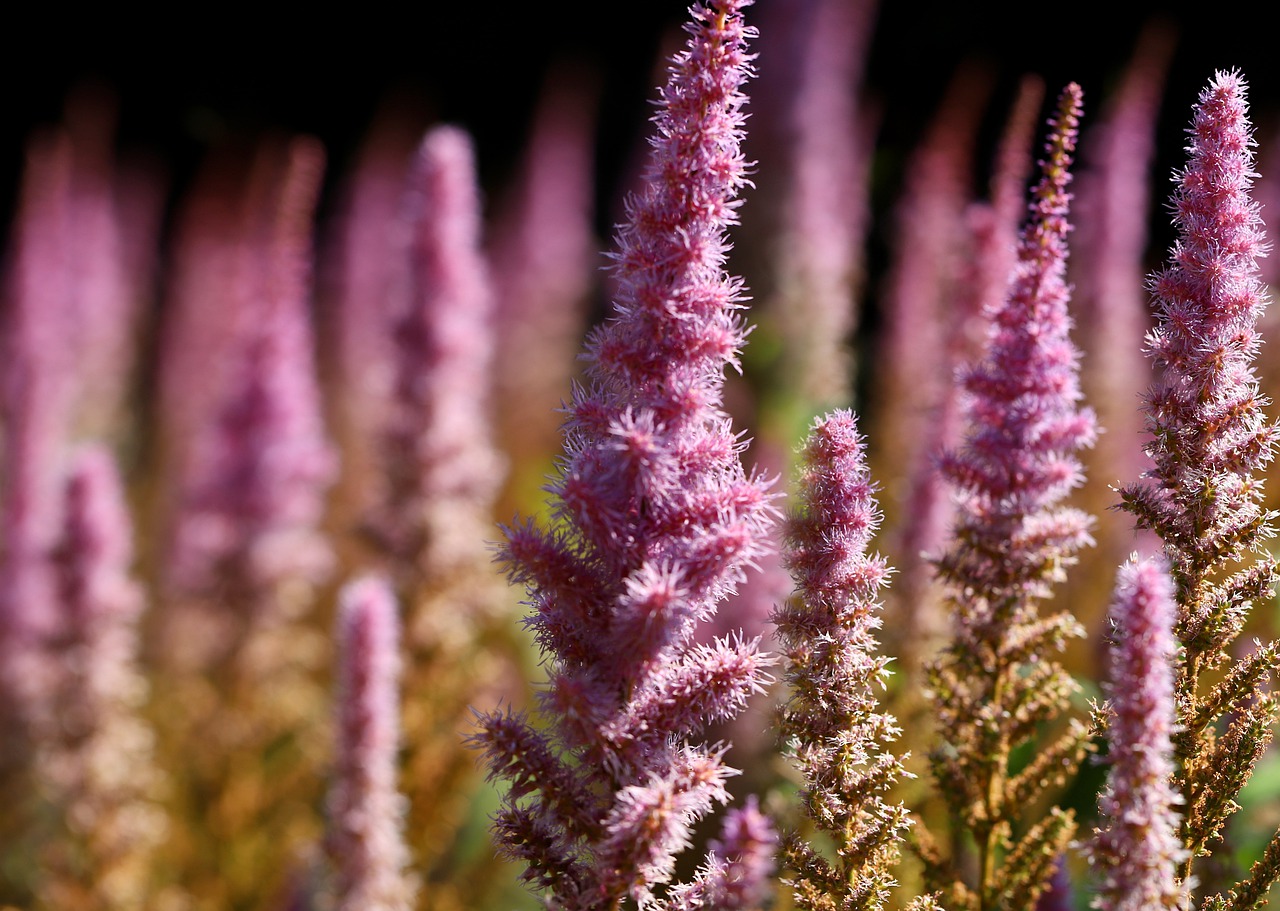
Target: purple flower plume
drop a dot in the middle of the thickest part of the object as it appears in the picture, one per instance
(94, 750)
(1018, 460)
(1139, 849)
(837, 737)
(739, 869)
(366, 814)
(997, 681)
(363, 280)
(655, 522)
(1203, 498)
(254, 496)
(1205, 413)
(441, 469)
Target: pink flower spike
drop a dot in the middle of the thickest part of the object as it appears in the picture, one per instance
(839, 741)
(1139, 848)
(826, 211)
(1019, 458)
(36, 395)
(656, 523)
(366, 813)
(739, 871)
(1210, 444)
(257, 471)
(544, 266)
(1114, 197)
(94, 756)
(910, 384)
(364, 284)
(440, 471)
(1013, 536)
(1205, 413)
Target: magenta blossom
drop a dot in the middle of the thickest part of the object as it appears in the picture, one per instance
(655, 523)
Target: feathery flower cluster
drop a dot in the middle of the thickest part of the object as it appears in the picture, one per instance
(996, 684)
(1210, 441)
(95, 750)
(1018, 460)
(1139, 851)
(827, 629)
(246, 550)
(739, 866)
(365, 840)
(656, 521)
(254, 495)
(438, 454)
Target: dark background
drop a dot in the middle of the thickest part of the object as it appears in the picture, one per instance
(230, 71)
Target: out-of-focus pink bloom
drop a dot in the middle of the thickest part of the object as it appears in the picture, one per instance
(366, 813)
(37, 388)
(994, 226)
(981, 280)
(542, 253)
(1110, 248)
(1060, 895)
(656, 523)
(825, 212)
(1138, 849)
(112, 231)
(439, 468)
(93, 749)
(921, 282)
(738, 873)
(364, 282)
(255, 473)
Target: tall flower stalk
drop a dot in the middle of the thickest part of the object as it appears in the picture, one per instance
(1210, 441)
(246, 553)
(366, 813)
(655, 521)
(439, 475)
(1138, 849)
(837, 738)
(94, 756)
(997, 683)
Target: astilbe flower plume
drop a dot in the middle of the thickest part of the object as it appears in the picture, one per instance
(996, 682)
(1203, 495)
(438, 460)
(94, 758)
(655, 522)
(245, 552)
(543, 255)
(436, 476)
(362, 281)
(1138, 849)
(739, 867)
(366, 813)
(66, 291)
(837, 738)
(253, 497)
